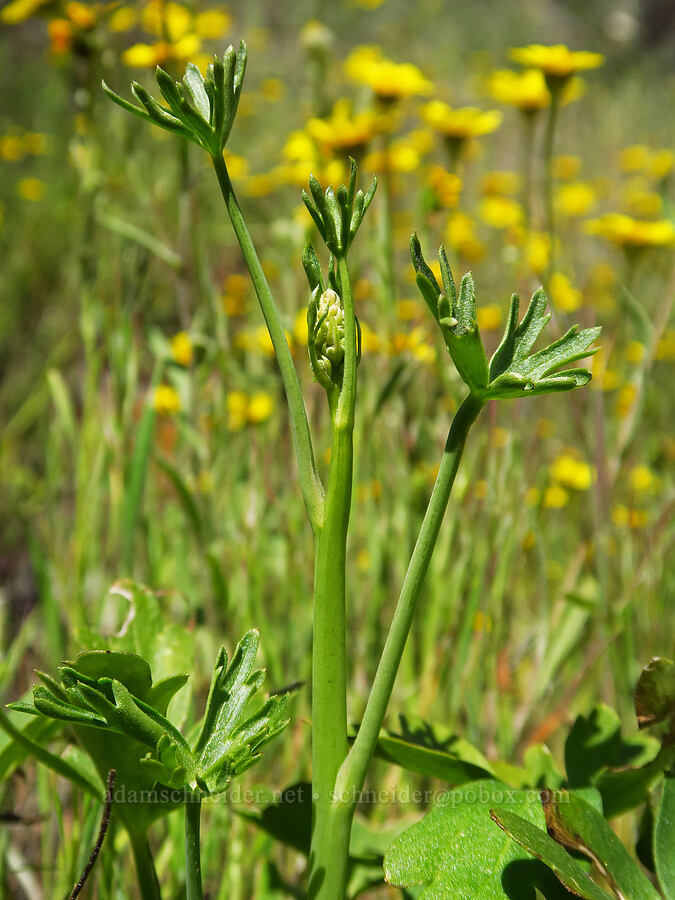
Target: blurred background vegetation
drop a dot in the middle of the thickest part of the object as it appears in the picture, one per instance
(144, 431)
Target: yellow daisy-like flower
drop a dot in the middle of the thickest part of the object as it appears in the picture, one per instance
(500, 212)
(563, 294)
(557, 61)
(526, 90)
(344, 129)
(389, 81)
(500, 183)
(182, 349)
(577, 198)
(572, 472)
(624, 230)
(445, 186)
(489, 317)
(462, 123)
(18, 11)
(166, 400)
(31, 189)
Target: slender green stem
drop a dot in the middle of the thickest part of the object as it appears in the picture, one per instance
(529, 120)
(329, 663)
(353, 772)
(549, 140)
(193, 860)
(145, 868)
(386, 193)
(310, 483)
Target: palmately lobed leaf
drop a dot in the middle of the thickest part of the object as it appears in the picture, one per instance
(512, 371)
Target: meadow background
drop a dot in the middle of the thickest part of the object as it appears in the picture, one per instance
(144, 431)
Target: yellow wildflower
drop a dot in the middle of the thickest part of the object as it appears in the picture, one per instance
(260, 407)
(407, 310)
(634, 352)
(300, 327)
(572, 472)
(18, 11)
(166, 400)
(31, 189)
(620, 515)
(505, 183)
(446, 187)
(12, 148)
(500, 212)
(60, 33)
(634, 159)
(166, 20)
(642, 480)
(182, 349)
(526, 90)
(122, 19)
(462, 123)
(80, 14)
(389, 81)
(624, 230)
(461, 236)
(566, 167)
(489, 317)
(564, 296)
(665, 349)
(538, 251)
(237, 404)
(212, 24)
(640, 200)
(555, 497)
(557, 61)
(625, 400)
(576, 198)
(272, 89)
(344, 129)
(661, 163)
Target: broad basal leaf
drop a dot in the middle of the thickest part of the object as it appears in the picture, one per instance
(456, 851)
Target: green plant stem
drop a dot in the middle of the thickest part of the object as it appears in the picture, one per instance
(148, 884)
(353, 772)
(329, 654)
(529, 120)
(193, 861)
(388, 273)
(310, 483)
(549, 141)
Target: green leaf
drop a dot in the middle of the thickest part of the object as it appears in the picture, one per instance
(539, 844)
(433, 751)
(193, 81)
(664, 838)
(457, 852)
(595, 744)
(128, 668)
(655, 692)
(576, 825)
(541, 768)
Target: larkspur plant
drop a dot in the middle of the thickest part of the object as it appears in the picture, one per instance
(441, 852)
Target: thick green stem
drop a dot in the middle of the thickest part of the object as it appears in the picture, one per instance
(193, 861)
(310, 483)
(148, 885)
(329, 663)
(353, 772)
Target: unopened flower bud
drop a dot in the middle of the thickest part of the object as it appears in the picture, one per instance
(327, 336)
